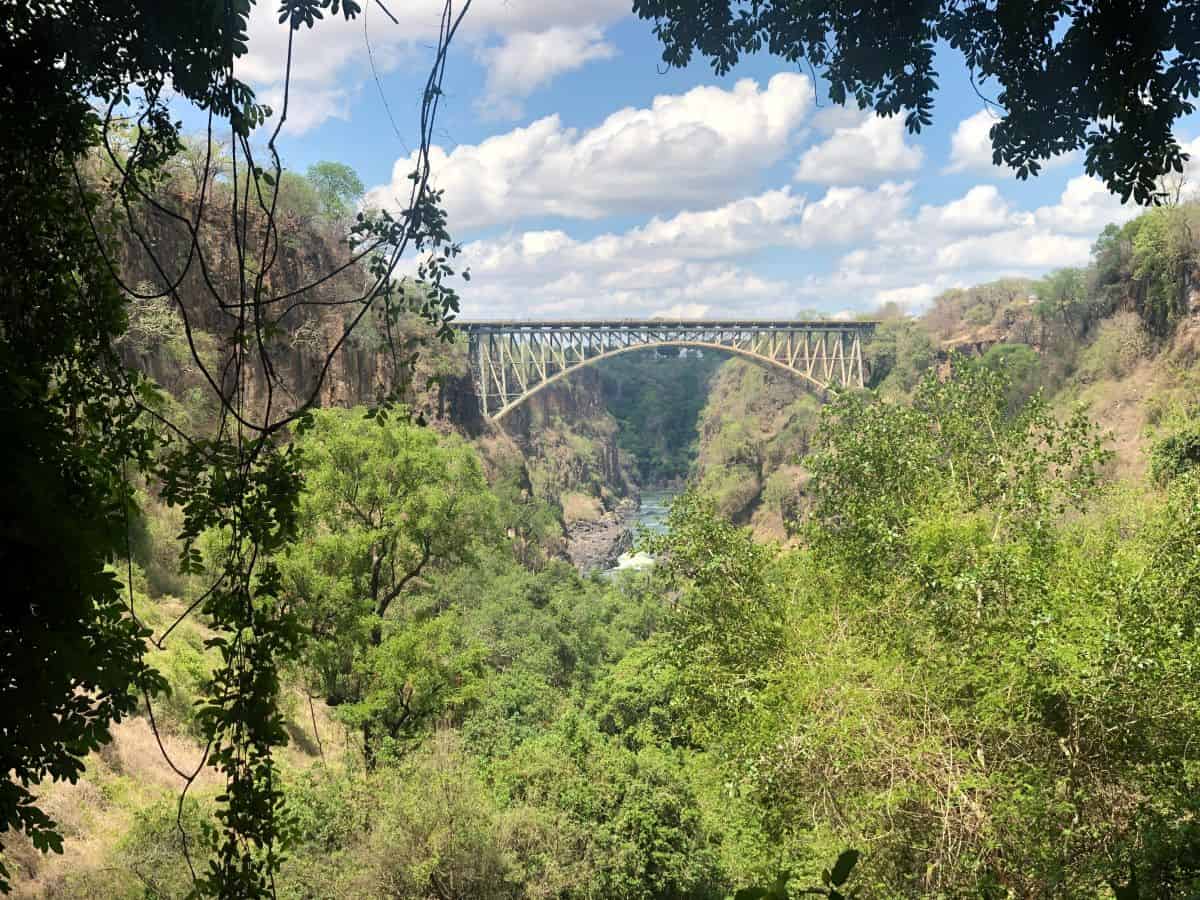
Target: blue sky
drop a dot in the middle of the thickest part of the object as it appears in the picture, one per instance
(584, 180)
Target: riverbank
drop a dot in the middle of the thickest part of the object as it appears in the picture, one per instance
(607, 542)
(596, 544)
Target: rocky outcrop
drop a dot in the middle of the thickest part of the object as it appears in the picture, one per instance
(754, 431)
(309, 293)
(570, 442)
(596, 544)
(561, 442)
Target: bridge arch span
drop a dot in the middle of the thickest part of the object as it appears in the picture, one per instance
(513, 361)
(719, 348)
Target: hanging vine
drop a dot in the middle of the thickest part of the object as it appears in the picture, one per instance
(242, 482)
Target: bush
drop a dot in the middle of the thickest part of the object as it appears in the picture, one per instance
(1120, 342)
(438, 836)
(153, 848)
(1175, 454)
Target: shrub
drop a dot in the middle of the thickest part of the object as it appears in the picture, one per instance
(1120, 342)
(1175, 454)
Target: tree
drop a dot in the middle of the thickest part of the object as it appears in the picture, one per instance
(1063, 296)
(297, 197)
(1163, 258)
(87, 94)
(899, 351)
(1108, 78)
(338, 187)
(201, 161)
(726, 624)
(959, 445)
(72, 656)
(1021, 367)
(386, 503)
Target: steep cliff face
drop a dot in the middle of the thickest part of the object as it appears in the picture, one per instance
(570, 442)
(754, 430)
(311, 310)
(656, 397)
(560, 446)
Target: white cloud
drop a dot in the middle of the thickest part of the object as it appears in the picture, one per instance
(743, 226)
(528, 60)
(846, 214)
(1018, 249)
(705, 257)
(971, 147)
(1186, 185)
(335, 50)
(703, 146)
(911, 298)
(981, 209)
(870, 151)
(694, 257)
(308, 108)
(974, 238)
(682, 311)
(1192, 167)
(1085, 207)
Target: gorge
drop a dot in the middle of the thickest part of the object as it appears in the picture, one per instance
(844, 604)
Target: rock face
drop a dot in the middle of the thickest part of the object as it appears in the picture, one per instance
(563, 441)
(305, 334)
(598, 543)
(570, 442)
(754, 432)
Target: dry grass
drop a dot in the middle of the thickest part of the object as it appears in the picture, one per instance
(580, 508)
(126, 775)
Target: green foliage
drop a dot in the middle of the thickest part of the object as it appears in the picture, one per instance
(162, 839)
(834, 879)
(1021, 367)
(338, 187)
(386, 503)
(958, 444)
(656, 398)
(1120, 343)
(187, 666)
(1066, 297)
(1175, 454)
(898, 354)
(630, 816)
(727, 619)
(965, 310)
(1163, 254)
(72, 656)
(1052, 96)
(69, 436)
(296, 197)
(755, 428)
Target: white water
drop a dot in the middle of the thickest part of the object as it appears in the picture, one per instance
(651, 516)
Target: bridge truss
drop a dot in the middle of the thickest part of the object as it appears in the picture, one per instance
(512, 361)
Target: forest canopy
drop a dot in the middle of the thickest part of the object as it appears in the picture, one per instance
(348, 636)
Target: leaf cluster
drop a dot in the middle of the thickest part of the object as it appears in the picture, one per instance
(1107, 79)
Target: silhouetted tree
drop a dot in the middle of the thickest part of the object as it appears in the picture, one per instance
(1111, 78)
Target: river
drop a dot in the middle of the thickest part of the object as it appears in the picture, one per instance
(651, 516)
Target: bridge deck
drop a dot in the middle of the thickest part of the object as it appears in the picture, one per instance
(781, 324)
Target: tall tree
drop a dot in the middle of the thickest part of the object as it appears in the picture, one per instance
(338, 186)
(1110, 78)
(75, 76)
(386, 505)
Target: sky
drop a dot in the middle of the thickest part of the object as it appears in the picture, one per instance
(584, 179)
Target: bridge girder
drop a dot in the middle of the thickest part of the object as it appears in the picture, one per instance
(512, 361)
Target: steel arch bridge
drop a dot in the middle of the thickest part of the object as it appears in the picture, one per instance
(512, 361)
